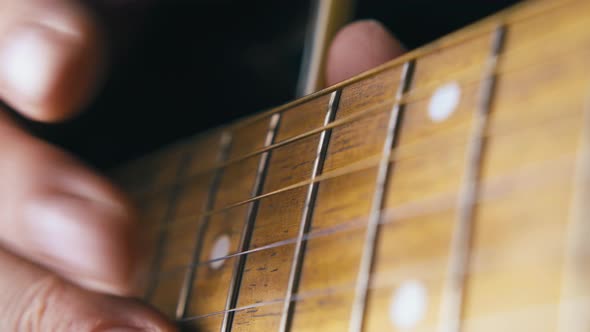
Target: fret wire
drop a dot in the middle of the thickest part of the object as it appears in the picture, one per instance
(454, 288)
(168, 217)
(234, 288)
(366, 262)
(186, 288)
(307, 214)
(492, 189)
(366, 164)
(485, 26)
(572, 313)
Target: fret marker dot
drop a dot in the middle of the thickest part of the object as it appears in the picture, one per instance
(220, 249)
(408, 304)
(444, 101)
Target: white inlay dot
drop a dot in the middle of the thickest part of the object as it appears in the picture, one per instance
(220, 249)
(408, 304)
(444, 101)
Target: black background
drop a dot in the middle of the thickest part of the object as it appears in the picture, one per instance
(199, 64)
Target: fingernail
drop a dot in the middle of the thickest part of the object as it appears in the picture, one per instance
(75, 232)
(31, 58)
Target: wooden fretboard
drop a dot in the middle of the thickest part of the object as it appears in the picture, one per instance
(444, 191)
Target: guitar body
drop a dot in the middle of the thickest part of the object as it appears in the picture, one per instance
(446, 190)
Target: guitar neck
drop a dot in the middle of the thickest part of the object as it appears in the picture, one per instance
(444, 190)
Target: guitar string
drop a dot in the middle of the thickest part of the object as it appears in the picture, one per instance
(492, 189)
(398, 155)
(464, 77)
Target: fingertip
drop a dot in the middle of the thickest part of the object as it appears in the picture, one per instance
(358, 47)
(50, 61)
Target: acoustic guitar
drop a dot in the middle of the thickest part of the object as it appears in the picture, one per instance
(447, 190)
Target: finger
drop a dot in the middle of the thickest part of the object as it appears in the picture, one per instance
(35, 300)
(358, 47)
(57, 213)
(51, 57)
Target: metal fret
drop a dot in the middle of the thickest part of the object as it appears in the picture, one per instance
(364, 273)
(168, 216)
(306, 216)
(234, 288)
(185, 291)
(453, 292)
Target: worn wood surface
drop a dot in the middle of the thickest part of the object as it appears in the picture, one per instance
(524, 270)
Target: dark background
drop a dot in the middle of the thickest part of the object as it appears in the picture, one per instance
(199, 64)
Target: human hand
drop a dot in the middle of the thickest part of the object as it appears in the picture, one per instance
(68, 246)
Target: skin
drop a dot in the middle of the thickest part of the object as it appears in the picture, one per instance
(68, 256)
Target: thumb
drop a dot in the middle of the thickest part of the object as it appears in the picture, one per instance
(358, 47)
(35, 300)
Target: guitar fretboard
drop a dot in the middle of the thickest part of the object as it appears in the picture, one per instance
(443, 191)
